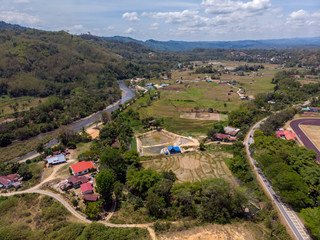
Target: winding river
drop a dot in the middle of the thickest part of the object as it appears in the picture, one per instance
(127, 94)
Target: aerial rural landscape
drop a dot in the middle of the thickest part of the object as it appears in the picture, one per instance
(148, 120)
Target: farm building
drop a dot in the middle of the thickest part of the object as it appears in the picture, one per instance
(86, 188)
(10, 181)
(231, 131)
(56, 159)
(222, 137)
(82, 168)
(173, 150)
(285, 134)
(90, 197)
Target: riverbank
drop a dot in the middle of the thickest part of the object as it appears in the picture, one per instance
(49, 138)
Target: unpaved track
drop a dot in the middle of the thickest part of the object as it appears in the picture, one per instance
(82, 218)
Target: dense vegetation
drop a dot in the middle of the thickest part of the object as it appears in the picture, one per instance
(293, 172)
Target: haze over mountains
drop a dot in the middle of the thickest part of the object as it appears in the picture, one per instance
(244, 44)
(287, 43)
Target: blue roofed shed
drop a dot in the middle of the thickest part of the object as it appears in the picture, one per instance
(174, 150)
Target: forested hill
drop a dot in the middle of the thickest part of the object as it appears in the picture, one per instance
(40, 63)
(244, 44)
(78, 75)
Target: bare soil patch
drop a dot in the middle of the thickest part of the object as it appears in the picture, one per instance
(151, 143)
(93, 132)
(237, 231)
(201, 116)
(313, 133)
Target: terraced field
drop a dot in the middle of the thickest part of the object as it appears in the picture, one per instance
(194, 166)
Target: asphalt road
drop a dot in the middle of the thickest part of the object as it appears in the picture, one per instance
(127, 94)
(295, 125)
(287, 213)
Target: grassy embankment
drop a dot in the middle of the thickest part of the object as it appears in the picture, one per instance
(32, 216)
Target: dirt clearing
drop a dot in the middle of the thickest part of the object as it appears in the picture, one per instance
(237, 231)
(93, 132)
(204, 116)
(151, 143)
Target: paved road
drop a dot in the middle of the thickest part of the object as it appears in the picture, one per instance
(127, 94)
(287, 213)
(295, 125)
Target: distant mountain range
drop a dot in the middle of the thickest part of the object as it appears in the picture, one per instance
(287, 43)
(244, 44)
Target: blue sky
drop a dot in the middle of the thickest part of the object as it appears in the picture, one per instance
(188, 20)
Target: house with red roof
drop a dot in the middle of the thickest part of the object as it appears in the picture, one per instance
(285, 134)
(9, 181)
(82, 168)
(86, 188)
(90, 197)
(76, 181)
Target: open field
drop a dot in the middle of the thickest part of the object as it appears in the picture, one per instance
(235, 231)
(205, 116)
(313, 133)
(194, 166)
(179, 102)
(8, 105)
(21, 148)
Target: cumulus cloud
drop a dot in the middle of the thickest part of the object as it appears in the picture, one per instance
(18, 17)
(130, 30)
(76, 27)
(21, 1)
(133, 16)
(303, 18)
(231, 7)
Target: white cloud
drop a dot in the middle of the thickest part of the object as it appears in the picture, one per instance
(154, 26)
(76, 27)
(302, 18)
(133, 16)
(18, 17)
(21, 1)
(130, 30)
(253, 7)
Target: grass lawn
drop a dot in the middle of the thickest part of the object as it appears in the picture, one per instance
(36, 169)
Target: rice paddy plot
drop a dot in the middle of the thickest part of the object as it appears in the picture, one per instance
(194, 166)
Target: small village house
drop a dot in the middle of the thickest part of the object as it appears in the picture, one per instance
(82, 168)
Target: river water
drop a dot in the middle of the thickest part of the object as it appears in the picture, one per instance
(127, 94)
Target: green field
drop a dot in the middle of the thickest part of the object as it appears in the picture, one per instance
(10, 105)
(196, 94)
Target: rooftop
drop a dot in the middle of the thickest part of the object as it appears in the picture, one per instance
(82, 166)
(86, 187)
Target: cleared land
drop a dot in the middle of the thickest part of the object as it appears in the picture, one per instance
(237, 231)
(194, 166)
(204, 116)
(151, 143)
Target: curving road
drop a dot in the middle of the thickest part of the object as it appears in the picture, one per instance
(287, 214)
(295, 125)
